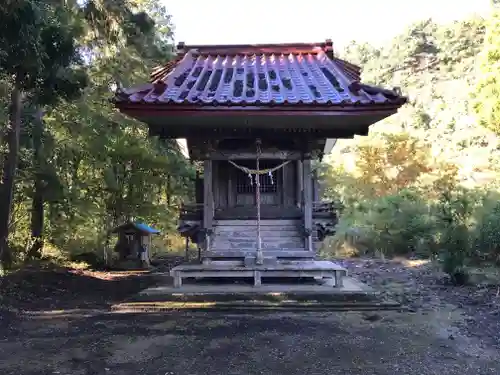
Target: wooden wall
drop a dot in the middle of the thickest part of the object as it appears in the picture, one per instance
(284, 203)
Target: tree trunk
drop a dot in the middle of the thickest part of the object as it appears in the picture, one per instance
(37, 210)
(130, 205)
(9, 172)
(169, 193)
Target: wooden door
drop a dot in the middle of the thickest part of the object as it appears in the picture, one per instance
(237, 192)
(270, 187)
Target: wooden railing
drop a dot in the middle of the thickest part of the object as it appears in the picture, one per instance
(191, 211)
(194, 211)
(325, 209)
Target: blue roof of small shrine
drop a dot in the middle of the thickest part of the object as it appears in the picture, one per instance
(136, 227)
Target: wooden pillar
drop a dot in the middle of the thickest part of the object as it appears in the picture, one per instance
(215, 184)
(299, 184)
(307, 209)
(208, 201)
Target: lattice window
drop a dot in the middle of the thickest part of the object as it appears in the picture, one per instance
(267, 184)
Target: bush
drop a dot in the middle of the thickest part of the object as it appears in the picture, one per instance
(453, 264)
(460, 228)
(487, 238)
(393, 225)
(400, 200)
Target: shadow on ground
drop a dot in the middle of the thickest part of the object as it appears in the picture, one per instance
(215, 343)
(70, 330)
(37, 289)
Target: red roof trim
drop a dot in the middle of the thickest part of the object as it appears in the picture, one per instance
(256, 111)
(397, 102)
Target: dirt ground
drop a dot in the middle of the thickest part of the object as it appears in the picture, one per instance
(420, 286)
(58, 322)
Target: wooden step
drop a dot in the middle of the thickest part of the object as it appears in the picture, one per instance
(253, 249)
(253, 229)
(241, 253)
(252, 244)
(253, 237)
(279, 223)
(239, 237)
(253, 234)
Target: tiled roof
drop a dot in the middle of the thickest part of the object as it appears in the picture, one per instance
(259, 75)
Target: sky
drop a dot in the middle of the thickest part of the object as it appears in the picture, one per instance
(281, 21)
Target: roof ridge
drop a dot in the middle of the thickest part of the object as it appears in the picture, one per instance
(245, 49)
(326, 43)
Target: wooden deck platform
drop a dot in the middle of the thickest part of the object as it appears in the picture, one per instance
(282, 269)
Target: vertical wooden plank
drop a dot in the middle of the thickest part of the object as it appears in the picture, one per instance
(299, 183)
(149, 251)
(307, 185)
(291, 176)
(215, 189)
(177, 280)
(231, 186)
(220, 187)
(285, 188)
(208, 199)
(198, 188)
(257, 281)
(315, 187)
(339, 279)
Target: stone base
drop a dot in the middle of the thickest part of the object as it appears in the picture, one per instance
(282, 269)
(230, 296)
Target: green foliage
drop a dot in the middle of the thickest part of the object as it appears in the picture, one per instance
(487, 239)
(487, 96)
(391, 225)
(424, 182)
(459, 227)
(94, 168)
(38, 56)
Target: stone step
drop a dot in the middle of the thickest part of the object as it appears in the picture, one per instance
(228, 295)
(244, 306)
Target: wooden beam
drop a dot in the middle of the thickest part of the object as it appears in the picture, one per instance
(232, 155)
